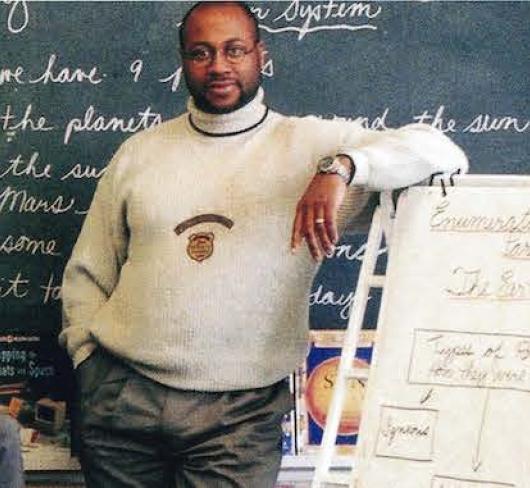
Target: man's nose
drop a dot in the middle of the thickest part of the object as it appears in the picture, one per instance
(219, 63)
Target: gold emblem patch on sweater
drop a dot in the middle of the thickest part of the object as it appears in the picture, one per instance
(200, 244)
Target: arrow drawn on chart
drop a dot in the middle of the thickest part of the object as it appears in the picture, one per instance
(427, 396)
(476, 461)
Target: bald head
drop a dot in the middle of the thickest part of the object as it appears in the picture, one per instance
(222, 57)
(217, 5)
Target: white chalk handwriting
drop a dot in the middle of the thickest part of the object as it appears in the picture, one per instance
(12, 75)
(136, 68)
(19, 167)
(20, 287)
(377, 122)
(489, 123)
(52, 290)
(79, 171)
(14, 287)
(18, 16)
(54, 74)
(481, 123)
(349, 253)
(23, 244)
(323, 297)
(92, 122)
(174, 79)
(306, 18)
(22, 202)
(437, 120)
(11, 123)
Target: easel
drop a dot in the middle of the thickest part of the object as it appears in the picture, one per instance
(381, 226)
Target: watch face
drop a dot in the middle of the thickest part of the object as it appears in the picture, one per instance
(325, 164)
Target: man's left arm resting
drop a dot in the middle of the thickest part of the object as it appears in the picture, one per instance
(378, 160)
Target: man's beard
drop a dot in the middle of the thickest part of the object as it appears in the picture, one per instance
(202, 103)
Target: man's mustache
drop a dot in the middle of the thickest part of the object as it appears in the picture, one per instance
(222, 79)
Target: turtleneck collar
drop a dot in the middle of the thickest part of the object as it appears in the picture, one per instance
(241, 120)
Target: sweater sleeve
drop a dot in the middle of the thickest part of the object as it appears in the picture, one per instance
(93, 269)
(397, 158)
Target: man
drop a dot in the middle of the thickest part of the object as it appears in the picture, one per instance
(185, 307)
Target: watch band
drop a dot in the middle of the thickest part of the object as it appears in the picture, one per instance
(352, 167)
(332, 165)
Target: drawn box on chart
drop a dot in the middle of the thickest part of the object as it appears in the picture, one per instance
(406, 433)
(470, 359)
(449, 482)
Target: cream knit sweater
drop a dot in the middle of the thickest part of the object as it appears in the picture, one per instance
(183, 266)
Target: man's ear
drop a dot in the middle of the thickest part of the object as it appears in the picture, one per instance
(262, 51)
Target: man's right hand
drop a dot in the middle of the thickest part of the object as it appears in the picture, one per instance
(316, 215)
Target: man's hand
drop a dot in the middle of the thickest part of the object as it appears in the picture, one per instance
(316, 215)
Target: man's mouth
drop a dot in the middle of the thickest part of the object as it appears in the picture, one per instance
(221, 86)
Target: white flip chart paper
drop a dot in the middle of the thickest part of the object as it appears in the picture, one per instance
(448, 402)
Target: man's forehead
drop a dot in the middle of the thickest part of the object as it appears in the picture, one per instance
(228, 16)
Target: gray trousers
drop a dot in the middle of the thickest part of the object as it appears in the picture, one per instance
(136, 433)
